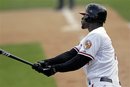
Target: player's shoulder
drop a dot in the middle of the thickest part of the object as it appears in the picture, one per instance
(99, 32)
(94, 35)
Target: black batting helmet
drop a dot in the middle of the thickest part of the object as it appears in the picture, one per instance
(95, 13)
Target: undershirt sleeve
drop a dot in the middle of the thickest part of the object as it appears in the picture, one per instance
(68, 55)
(74, 64)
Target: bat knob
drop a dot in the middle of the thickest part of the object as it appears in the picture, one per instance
(1, 51)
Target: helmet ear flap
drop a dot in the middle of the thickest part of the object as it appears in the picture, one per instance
(102, 17)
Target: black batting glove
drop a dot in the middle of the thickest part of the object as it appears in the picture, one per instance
(37, 67)
(49, 71)
(43, 63)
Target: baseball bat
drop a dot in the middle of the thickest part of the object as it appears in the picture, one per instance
(15, 57)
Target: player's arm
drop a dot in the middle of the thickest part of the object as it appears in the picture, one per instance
(60, 58)
(73, 64)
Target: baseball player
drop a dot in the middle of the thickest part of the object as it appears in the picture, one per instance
(94, 53)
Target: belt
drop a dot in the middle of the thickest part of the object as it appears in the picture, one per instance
(105, 79)
(102, 79)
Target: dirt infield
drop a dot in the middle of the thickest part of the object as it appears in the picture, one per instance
(45, 26)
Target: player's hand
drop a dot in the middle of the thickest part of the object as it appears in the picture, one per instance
(37, 67)
(43, 63)
(48, 71)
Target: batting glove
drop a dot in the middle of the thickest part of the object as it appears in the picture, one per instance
(43, 63)
(48, 71)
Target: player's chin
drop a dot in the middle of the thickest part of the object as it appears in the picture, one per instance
(83, 27)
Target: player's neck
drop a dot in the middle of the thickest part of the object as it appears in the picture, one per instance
(94, 26)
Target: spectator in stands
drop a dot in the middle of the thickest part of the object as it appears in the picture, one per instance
(61, 4)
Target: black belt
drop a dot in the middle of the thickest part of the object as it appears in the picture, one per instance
(104, 79)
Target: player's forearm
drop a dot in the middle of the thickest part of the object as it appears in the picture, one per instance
(62, 57)
(73, 64)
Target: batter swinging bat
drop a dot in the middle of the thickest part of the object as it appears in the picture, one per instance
(15, 57)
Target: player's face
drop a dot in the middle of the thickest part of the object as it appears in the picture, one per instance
(84, 22)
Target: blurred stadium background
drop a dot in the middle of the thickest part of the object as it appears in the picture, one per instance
(34, 30)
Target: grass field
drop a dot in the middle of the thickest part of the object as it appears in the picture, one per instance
(21, 4)
(122, 6)
(16, 74)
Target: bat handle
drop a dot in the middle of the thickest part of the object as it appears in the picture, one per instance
(15, 57)
(21, 60)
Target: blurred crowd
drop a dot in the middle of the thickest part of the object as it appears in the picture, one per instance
(61, 4)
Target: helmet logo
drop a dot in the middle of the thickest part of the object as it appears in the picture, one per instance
(90, 11)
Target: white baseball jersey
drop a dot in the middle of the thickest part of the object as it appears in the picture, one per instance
(98, 46)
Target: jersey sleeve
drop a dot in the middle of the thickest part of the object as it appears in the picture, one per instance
(78, 47)
(90, 46)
